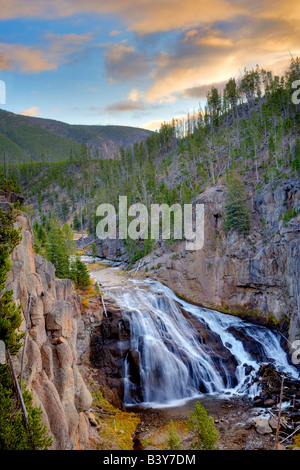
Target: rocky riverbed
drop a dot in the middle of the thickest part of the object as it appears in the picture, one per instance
(240, 425)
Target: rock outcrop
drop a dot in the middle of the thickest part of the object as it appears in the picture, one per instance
(50, 368)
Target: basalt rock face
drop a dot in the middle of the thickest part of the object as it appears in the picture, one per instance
(109, 346)
(50, 367)
(113, 250)
(257, 272)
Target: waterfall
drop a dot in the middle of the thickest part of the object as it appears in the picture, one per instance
(180, 351)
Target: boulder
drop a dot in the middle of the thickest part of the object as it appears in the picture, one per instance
(83, 398)
(59, 320)
(269, 402)
(48, 395)
(262, 425)
(82, 432)
(92, 419)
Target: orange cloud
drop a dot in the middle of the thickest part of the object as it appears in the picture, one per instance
(34, 111)
(152, 125)
(28, 59)
(203, 56)
(25, 59)
(142, 16)
(148, 16)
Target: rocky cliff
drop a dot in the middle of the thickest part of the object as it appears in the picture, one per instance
(51, 372)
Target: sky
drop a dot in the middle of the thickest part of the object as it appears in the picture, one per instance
(135, 62)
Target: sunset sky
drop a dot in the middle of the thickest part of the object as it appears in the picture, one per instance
(135, 62)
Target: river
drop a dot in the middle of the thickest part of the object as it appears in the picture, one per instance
(185, 354)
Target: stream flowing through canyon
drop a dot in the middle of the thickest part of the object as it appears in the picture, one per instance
(179, 353)
(176, 362)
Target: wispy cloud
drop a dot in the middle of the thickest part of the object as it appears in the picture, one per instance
(124, 62)
(114, 32)
(135, 102)
(24, 59)
(123, 106)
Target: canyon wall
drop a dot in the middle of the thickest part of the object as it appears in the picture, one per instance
(51, 372)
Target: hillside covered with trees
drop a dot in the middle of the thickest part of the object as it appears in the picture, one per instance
(28, 139)
(251, 130)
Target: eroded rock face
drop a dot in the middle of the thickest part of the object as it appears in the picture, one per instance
(113, 250)
(50, 369)
(257, 272)
(110, 343)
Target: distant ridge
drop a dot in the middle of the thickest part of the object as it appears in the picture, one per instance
(25, 138)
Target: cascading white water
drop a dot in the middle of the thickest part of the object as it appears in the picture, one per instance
(175, 363)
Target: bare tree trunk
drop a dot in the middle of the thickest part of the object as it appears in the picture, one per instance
(103, 304)
(279, 414)
(5, 164)
(212, 170)
(25, 339)
(17, 388)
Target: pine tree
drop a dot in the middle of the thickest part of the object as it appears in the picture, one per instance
(205, 435)
(296, 160)
(37, 432)
(79, 274)
(94, 250)
(10, 321)
(68, 240)
(76, 223)
(56, 249)
(231, 95)
(13, 434)
(237, 216)
(10, 314)
(214, 103)
(173, 441)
